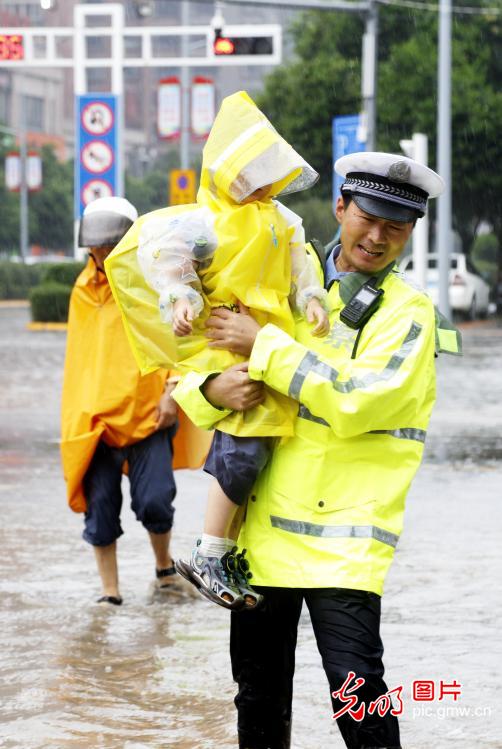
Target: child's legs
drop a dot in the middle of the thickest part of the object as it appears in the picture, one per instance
(235, 463)
(220, 511)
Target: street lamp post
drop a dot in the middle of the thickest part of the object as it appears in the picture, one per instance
(369, 75)
(444, 153)
(20, 133)
(185, 94)
(23, 186)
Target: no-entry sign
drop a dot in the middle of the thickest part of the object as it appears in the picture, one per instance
(96, 173)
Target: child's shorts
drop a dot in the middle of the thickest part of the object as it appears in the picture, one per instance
(236, 463)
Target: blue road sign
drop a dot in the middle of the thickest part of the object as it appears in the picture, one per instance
(345, 140)
(96, 168)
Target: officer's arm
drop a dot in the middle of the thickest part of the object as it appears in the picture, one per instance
(207, 398)
(383, 388)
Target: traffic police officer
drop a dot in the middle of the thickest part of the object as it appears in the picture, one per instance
(326, 514)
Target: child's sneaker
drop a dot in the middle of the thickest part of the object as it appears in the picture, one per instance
(242, 574)
(213, 578)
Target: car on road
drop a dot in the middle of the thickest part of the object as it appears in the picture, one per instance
(468, 291)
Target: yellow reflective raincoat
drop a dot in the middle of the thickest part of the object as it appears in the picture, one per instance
(104, 396)
(252, 262)
(328, 509)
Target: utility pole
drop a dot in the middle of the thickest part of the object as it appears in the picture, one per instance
(417, 149)
(185, 93)
(369, 74)
(444, 234)
(23, 186)
(20, 133)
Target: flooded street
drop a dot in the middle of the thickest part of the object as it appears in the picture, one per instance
(155, 673)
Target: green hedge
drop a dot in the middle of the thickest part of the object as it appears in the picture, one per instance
(50, 302)
(64, 273)
(16, 279)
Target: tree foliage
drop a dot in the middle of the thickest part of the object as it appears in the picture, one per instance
(151, 191)
(50, 210)
(323, 81)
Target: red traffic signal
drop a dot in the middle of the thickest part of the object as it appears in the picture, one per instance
(223, 46)
(243, 45)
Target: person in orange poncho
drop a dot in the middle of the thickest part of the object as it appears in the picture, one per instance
(112, 418)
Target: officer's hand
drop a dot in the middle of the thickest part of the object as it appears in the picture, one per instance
(166, 412)
(234, 331)
(233, 389)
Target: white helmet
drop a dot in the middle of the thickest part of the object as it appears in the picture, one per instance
(105, 221)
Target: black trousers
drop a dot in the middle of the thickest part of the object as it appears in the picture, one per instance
(346, 625)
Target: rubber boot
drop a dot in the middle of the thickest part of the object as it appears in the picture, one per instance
(280, 740)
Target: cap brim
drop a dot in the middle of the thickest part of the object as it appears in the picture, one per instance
(102, 229)
(385, 209)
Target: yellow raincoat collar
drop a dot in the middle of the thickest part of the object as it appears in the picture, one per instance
(244, 152)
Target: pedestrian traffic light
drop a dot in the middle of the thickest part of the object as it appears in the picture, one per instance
(243, 45)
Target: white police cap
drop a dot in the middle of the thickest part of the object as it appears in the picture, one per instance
(388, 185)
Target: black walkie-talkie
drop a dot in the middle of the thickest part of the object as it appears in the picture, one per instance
(362, 305)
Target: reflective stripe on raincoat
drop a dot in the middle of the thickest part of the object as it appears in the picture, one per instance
(104, 395)
(252, 262)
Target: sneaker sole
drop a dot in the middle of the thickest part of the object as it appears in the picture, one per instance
(187, 572)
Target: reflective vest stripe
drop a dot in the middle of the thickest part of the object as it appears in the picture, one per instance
(304, 413)
(306, 365)
(403, 434)
(406, 433)
(334, 531)
(310, 363)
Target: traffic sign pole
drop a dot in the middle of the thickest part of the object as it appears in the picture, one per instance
(92, 181)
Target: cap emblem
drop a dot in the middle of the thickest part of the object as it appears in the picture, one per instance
(399, 172)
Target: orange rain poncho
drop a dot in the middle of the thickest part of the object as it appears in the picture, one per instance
(252, 261)
(104, 395)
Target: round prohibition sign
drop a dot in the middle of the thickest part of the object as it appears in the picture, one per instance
(96, 188)
(97, 156)
(97, 118)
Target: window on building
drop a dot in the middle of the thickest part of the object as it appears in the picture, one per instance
(34, 112)
(24, 12)
(4, 105)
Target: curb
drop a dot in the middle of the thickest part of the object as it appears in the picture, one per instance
(47, 326)
(6, 303)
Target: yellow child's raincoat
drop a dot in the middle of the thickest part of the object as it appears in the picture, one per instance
(252, 261)
(104, 395)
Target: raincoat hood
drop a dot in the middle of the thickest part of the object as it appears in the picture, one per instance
(244, 152)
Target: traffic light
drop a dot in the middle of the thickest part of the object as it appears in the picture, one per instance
(224, 45)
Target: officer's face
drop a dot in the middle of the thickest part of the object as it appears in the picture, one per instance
(368, 243)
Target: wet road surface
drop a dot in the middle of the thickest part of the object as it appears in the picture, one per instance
(155, 673)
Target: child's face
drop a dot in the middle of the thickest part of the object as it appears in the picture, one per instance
(258, 194)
